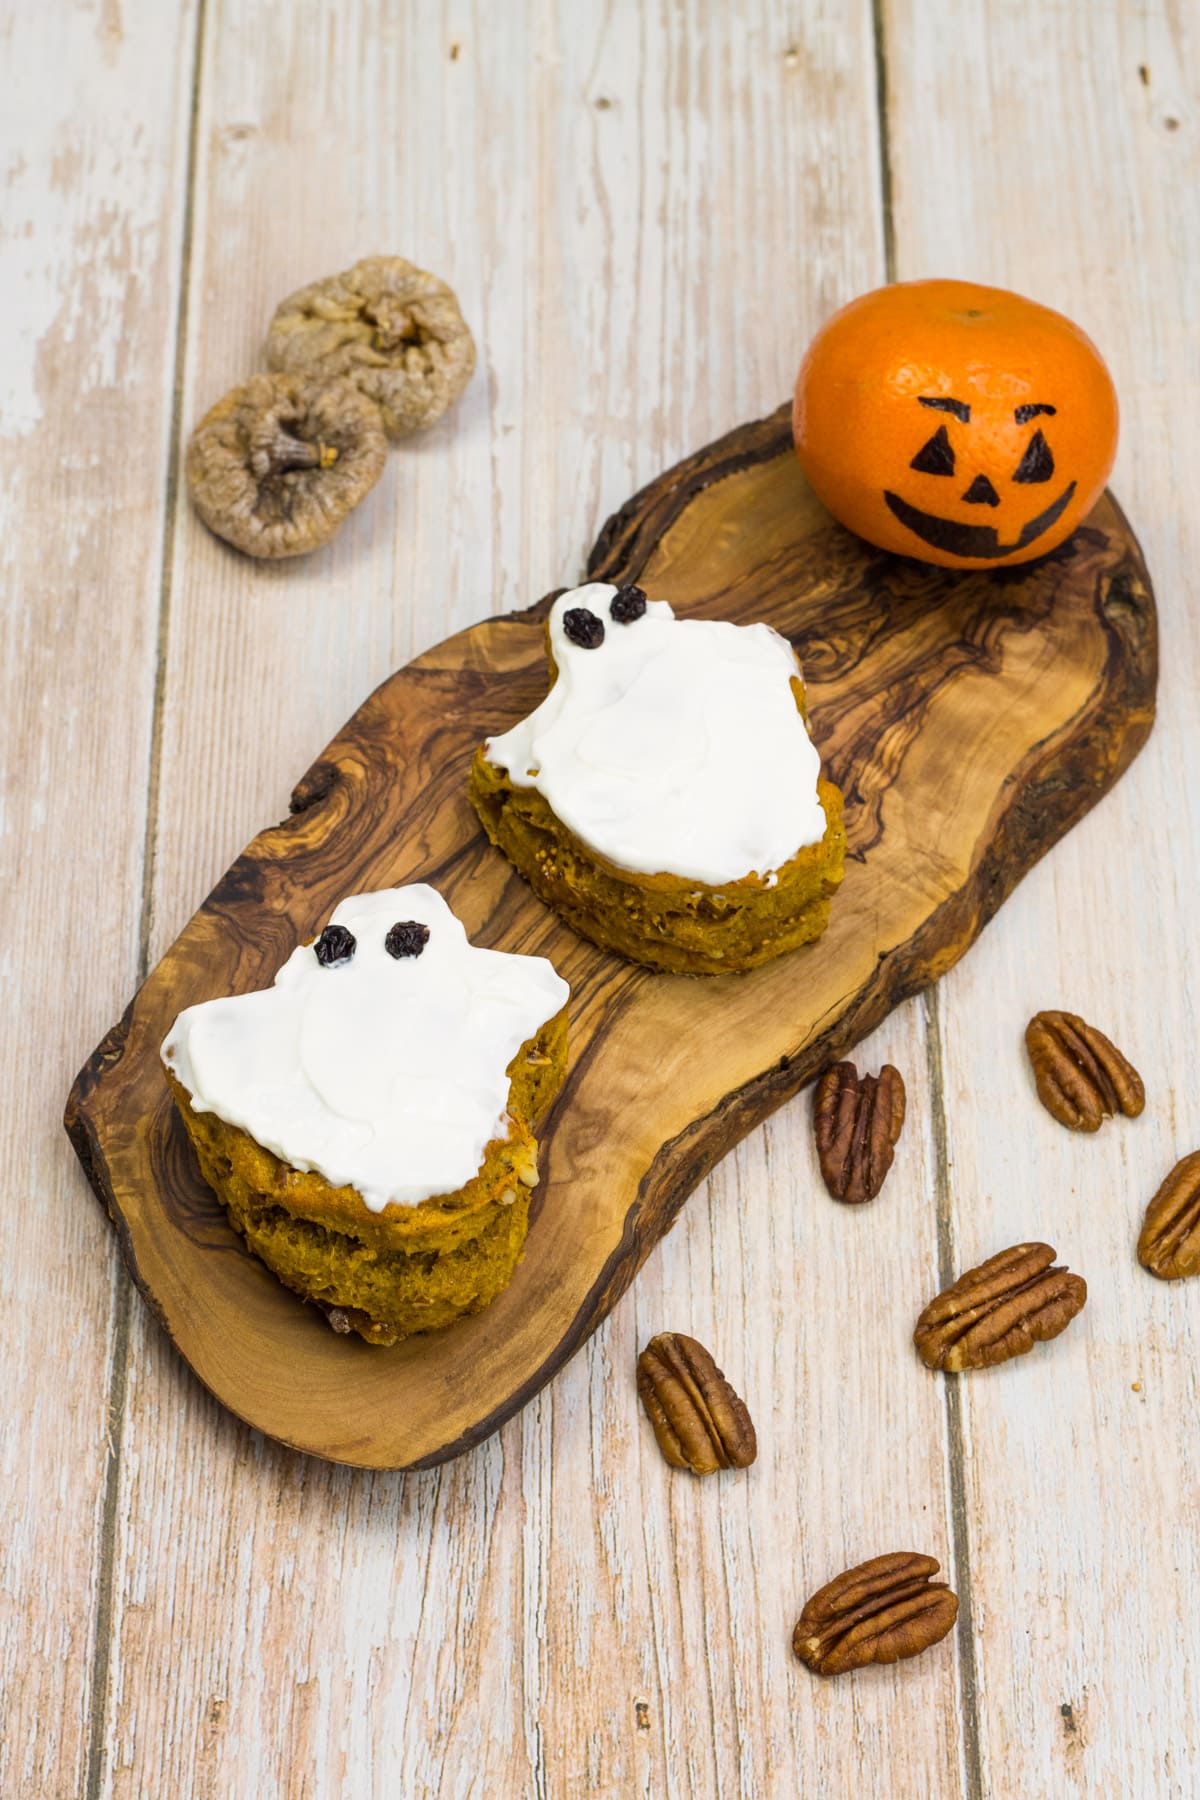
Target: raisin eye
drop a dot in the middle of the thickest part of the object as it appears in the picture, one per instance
(335, 945)
(627, 604)
(1037, 464)
(935, 457)
(408, 937)
(583, 628)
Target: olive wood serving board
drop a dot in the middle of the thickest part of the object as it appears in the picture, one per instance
(971, 719)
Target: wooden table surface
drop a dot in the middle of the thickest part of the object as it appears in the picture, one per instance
(646, 210)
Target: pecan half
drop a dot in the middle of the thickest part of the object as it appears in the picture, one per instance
(1082, 1078)
(857, 1120)
(879, 1612)
(999, 1310)
(1170, 1242)
(700, 1423)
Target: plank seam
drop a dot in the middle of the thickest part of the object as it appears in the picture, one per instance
(115, 1434)
(102, 1645)
(170, 503)
(879, 35)
(960, 1537)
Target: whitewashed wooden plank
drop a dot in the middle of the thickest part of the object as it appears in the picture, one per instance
(645, 211)
(92, 152)
(810, 1321)
(1054, 150)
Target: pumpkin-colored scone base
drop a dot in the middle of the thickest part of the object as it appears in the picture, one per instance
(406, 1269)
(664, 921)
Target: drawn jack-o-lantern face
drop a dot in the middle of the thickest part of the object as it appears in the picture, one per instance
(957, 424)
(960, 536)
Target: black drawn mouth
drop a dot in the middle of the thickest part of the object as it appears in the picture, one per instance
(974, 540)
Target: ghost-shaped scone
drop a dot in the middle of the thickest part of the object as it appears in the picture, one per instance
(666, 797)
(368, 1120)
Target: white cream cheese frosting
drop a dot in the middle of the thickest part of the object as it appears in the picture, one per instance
(674, 746)
(382, 1073)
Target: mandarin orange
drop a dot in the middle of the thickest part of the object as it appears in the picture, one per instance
(958, 424)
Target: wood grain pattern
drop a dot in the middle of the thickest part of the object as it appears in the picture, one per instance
(1079, 1585)
(969, 721)
(93, 136)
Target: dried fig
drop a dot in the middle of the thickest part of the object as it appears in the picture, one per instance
(393, 329)
(278, 463)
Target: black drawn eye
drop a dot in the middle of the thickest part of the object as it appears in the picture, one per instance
(936, 457)
(1037, 464)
